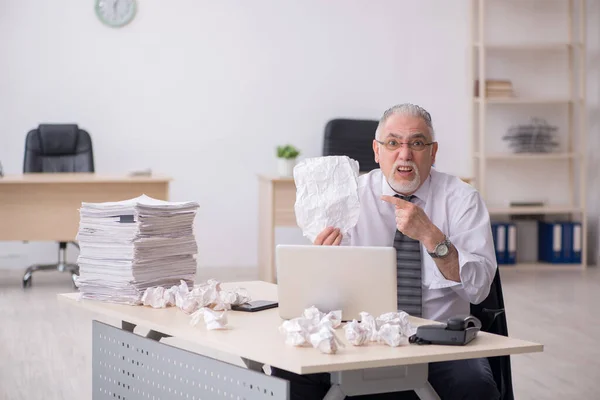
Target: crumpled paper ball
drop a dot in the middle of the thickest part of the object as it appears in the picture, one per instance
(212, 319)
(356, 333)
(202, 301)
(208, 294)
(314, 327)
(389, 328)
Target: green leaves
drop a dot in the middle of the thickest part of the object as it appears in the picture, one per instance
(287, 151)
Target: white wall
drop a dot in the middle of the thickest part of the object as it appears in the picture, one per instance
(204, 91)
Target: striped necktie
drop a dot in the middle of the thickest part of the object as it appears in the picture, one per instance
(408, 256)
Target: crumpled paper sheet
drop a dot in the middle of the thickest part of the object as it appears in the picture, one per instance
(326, 194)
(314, 327)
(212, 319)
(203, 300)
(389, 328)
(317, 328)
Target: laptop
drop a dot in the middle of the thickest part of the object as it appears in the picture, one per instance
(348, 278)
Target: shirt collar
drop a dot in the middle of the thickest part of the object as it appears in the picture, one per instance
(422, 194)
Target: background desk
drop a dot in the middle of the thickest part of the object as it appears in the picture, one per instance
(45, 207)
(255, 338)
(277, 196)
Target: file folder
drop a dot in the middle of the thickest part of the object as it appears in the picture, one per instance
(505, 242)
(499, 237)
(571, 242)
(550, 242)
(511, 244)
(560, 242)
(577, 238)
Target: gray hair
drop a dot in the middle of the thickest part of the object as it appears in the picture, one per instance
(406, 109)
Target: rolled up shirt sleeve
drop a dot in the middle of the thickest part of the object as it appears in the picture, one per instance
(471, 235)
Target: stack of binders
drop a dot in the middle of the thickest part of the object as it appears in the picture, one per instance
(505, 242)
(128, 246)
(559, 242)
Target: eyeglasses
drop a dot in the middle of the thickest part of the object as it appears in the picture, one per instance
(393, 144)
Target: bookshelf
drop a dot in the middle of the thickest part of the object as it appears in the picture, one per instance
(527, 46)
(528, 61)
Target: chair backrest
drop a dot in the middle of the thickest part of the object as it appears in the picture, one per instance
(492, 315)
(352, 138)
(58, 148)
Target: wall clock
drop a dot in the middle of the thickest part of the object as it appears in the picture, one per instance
(116, 13)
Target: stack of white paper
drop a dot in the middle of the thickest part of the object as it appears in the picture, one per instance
(128, 246)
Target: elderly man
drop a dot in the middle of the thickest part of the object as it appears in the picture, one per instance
(441, 230)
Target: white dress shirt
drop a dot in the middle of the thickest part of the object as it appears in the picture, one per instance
(457, 209)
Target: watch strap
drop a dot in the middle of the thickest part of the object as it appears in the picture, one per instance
(446, 242)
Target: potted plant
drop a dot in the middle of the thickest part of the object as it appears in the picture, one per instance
(287, 159)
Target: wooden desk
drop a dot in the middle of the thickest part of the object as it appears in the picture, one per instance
(255, 338)
(277, 196)
(40, 207)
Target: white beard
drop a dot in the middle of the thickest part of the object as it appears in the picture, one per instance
(404, 187)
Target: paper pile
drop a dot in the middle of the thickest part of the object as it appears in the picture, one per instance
(318, 329)
(129, 246)
(326, 194)
(390, 328)
(205, 301)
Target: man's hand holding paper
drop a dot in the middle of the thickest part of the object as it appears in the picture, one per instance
(330, 236)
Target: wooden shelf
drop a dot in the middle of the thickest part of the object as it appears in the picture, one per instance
(493, 210)
(520, 100)
(527, 46)
(527, 156)
(504, 90)
(541, 266)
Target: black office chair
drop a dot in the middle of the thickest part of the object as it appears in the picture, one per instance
(57, 148)
(492, 315)
(352, 138)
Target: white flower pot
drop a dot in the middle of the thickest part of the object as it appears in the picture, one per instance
(285, 167)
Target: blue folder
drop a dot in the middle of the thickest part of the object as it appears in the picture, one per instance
(559, 242)
(505, 242)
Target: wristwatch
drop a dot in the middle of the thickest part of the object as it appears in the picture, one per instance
(442, 249)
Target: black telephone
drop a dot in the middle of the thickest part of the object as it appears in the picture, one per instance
(459, 330)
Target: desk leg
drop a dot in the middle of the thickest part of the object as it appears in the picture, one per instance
(382, 380)
(266, 233)
(335, 393)
(427, 392)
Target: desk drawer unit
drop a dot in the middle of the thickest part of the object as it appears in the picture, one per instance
(284, 200)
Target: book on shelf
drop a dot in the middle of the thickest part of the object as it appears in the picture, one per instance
(496, 88)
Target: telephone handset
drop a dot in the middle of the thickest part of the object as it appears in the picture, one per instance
(458, 330)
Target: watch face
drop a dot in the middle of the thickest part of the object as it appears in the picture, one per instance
(442, 250)
(115, 12)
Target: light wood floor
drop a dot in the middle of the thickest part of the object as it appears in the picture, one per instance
(45, 347)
